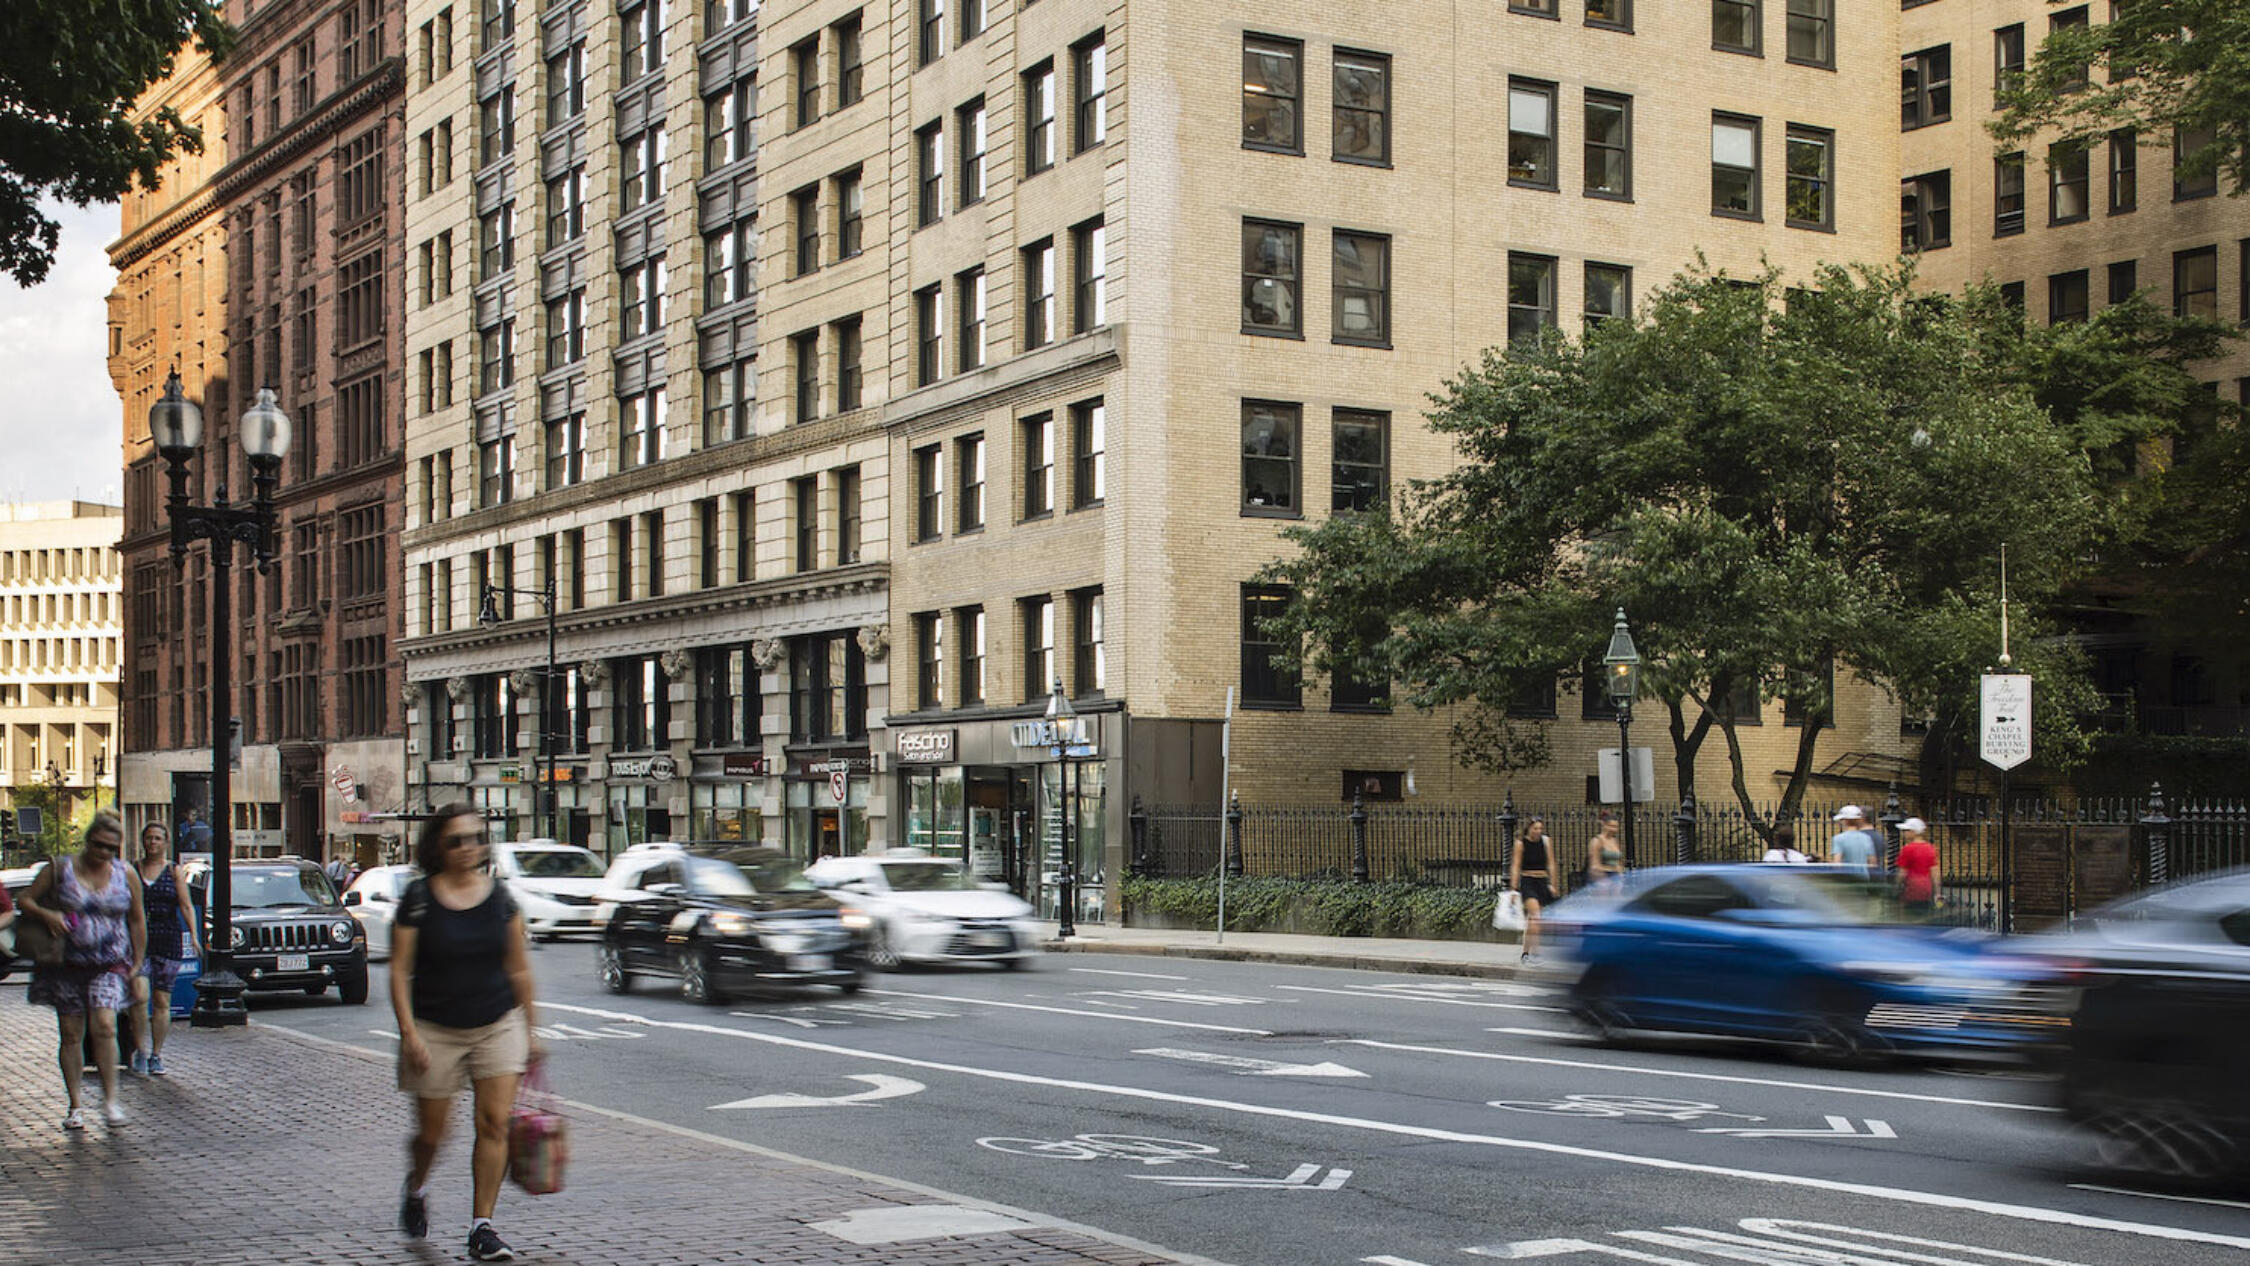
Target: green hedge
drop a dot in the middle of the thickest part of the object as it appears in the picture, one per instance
(1318, 907)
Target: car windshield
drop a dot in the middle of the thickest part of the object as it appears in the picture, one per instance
(780, 874)
(928, 877)
(557, 863)
(281, 886)
(1830, 897)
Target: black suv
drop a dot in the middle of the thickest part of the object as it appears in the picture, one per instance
(722, 921)
(291, 931)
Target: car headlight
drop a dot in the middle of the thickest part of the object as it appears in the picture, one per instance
(731, 924)
(234, 936)
(340, 931)
(855, 918)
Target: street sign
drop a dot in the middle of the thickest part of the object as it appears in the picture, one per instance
(839, 785)
(2004, 725)
(1644, 776)
(28, 823)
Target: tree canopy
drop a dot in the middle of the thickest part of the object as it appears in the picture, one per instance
(70, 71)
(1777, 483)
(2159, 67)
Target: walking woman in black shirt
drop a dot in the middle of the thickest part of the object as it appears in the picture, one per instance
(461, 987)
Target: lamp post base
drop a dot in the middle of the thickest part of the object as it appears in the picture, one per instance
(218, 999)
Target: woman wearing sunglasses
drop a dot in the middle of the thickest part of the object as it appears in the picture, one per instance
(461, 988)
(92, 904)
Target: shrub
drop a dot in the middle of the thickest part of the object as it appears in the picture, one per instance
(1320, 907)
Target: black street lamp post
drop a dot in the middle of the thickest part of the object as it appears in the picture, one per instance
(1624, 665)
(488, 615)
(176, 425)
(1062, 730)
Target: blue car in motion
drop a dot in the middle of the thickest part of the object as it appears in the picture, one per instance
(1811, 956)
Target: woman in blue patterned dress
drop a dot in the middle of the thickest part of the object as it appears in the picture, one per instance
(93, 903)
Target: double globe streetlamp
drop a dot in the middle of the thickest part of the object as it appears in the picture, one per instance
(175, 423)
(1063, 730)
(1623, 665)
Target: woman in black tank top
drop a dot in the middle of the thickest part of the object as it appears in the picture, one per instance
(1531, 873)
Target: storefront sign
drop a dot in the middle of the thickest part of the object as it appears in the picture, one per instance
(1074, 734)
(657, 768)
(341, 778)
(510, 773)
(352, 817)
(925, 747)
(822, 766)
(742, 765)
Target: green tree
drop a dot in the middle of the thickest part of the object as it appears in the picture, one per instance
(70, 71)
(1772, 481)
(2159, 67)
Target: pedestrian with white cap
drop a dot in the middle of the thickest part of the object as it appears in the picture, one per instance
(1918, 880)
(1854, 845)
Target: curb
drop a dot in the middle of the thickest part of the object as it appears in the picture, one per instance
(1228, 953)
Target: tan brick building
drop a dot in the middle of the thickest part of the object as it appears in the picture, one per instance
(59, 648)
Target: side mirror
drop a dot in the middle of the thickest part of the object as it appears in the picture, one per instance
(352, 898)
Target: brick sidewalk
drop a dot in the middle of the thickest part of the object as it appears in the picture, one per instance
(265, 1147)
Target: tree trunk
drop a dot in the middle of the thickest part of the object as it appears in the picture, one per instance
(1687, 742)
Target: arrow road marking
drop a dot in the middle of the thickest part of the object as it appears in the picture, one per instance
(1415, 997)
(1300, 1179)
(885, 1087)
(1244, 1066)
(1838, 1128)
(1100, 1015)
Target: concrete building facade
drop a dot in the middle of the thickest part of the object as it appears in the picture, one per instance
(60, 649)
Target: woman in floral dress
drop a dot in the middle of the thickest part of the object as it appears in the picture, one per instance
(92, 902)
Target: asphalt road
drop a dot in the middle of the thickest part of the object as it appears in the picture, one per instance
(1275, 1116)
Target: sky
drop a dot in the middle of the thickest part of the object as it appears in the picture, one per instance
(61, 423)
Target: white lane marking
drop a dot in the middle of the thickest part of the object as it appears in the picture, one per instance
(1534, 1032)
(1177, 995)
(1696, 1076)
(1388, 1260)
(1901, 1195)
(1097, 1015)
(1243, 1065)
(2163, 1195)
(884, 1086)
(1144, 975)
(1780, 1229)
(1300, 1179)
(1415, 997)
(1838, 1127)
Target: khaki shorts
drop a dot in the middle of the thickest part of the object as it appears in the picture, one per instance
(460, 1056)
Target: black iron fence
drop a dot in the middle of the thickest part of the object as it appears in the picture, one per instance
(2023, 864)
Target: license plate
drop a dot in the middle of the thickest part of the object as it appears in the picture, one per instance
(990, 940)
(808, 962)
(293, 962)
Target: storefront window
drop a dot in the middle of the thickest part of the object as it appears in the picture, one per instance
(1088, 801)
(500, 806)
(637, 814)
(725, 812)
(934, 821)
(815, 826)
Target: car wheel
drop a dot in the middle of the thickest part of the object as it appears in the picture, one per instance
(851, 986)
(1021, 962)
(2163, 1142)
(351, 990)
(1832, 1032)
(881, 954)
(610, 965)
(697, 983)
(1593, 1004)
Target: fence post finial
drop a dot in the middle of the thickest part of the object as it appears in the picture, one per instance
(1137, 820)
(1359, 837)
(1893, 814)
(1683, 828)
(1234, 835)
(2158, 828)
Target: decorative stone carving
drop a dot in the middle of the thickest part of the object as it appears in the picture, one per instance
(766, 653)
(410, 693)
(675, 664)
(456, 688)
(524, 680)
(594, 672)
(874, 641)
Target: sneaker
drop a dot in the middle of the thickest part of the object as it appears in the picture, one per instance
(485, 1245)
(74, 1120)
(155, 1065)
(414, 1216)
(113, 1113)
(140, 1064)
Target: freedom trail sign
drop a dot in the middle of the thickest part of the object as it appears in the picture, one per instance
(2004, 725)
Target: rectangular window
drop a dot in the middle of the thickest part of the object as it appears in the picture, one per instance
(641, 420)
(2124, 171)
(968, 455)
(1089, 65)
(827, 688)
(1270, 277)
(730, 124)
(2068, 179)
(972, 685)
(1089, 432)
(1926, 87)
(1734, 167)
(1038, 266)
(1609, 293)
(851, 62)
(1038, 647)
(729, 393)
(1536, 8)
(849, 516)
(2067, 297)
(851, 214)
(728, 705)
(804, 364)
(1269, 668)
(566, 207)
(496, 350)
(2195, 283)
(496, 471)
(929, 173)
(850, 370)
(969, 290)
(641, 713)
(2074, 78)
(2185, 145)
(969, 124)
(745, 510)
(933, 30)
(497, 127)
(640, 303)
(1361, 277)
(566, 85)
(1809, 192)
(1089, 250)
(566, 451)
(2124, 280)
(1089, 659)
(929, 335)
(2007, 195)
(1038, 438)
(929, 660)
(1272, 92)
(641, 159)
(1531, 134)
(804, 70)
(2007, 59)
(1609, 145)
(972, 20)
(1362, 96)
(804, 220)
(1812, 32)
(566, 330)
(730, 264)
(1039, 118)
(1531, 297)
(929, 492)
(804, 496)
(1359, 460)
(1615, 14)
(1271, 431)
(1735, 26)
(621, 558)
(641, 28)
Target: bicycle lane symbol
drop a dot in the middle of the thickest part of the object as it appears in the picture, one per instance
(1622, 1107)
(1146, 1151)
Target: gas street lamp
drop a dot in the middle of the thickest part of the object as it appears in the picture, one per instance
(175, 423)
(1624, 673)
(1062, 731)
(488, 616)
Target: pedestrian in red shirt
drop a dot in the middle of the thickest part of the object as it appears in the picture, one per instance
(1917, 870)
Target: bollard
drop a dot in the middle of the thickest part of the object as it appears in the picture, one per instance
(1683, 828)
(1359, 838)
(1137, 820)
(2159, 832)
(1508, 819)
(1234, 836)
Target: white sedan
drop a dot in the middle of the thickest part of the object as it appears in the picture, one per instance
(554, 885)
(373, 900)
(930, 910)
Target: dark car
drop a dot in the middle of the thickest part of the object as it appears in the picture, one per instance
(291, 931)
(721, 922)
(1811, 956)
(2156, 1054)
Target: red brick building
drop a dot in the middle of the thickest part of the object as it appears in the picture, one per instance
(310, 202)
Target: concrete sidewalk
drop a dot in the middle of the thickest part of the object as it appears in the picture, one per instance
(1366, 953)
(265, 1146)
